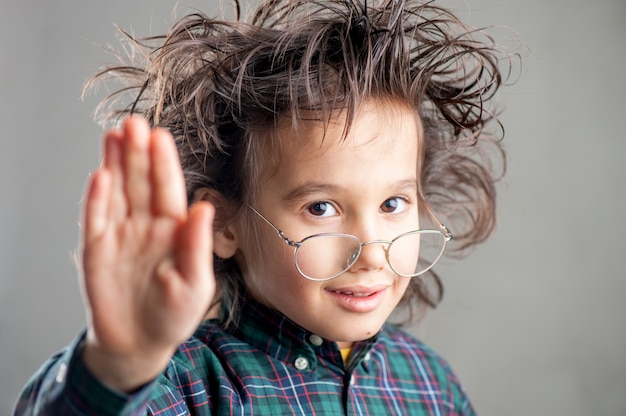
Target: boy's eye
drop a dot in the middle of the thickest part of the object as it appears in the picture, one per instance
(392, 205)
(322, 209)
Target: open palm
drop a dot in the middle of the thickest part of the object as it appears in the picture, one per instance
(147, 260)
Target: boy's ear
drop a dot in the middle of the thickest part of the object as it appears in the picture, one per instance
(225, 242)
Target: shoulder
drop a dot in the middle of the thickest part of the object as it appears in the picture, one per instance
(409, 359)
(397, 341)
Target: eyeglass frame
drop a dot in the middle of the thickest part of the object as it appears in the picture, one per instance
(444, 231)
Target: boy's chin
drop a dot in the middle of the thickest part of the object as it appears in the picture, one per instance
(345, 340)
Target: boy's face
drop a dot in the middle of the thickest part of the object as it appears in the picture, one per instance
(365, 186)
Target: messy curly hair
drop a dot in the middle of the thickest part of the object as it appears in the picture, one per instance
(222, 87)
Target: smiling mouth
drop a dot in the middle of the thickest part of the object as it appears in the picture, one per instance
(359, 299)
(355, 294)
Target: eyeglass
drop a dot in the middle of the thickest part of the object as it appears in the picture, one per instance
(322, 257)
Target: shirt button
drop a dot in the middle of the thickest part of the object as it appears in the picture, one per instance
(316, 340)
(367, 357)
(61, 373)
(352, 380)
(301, 363)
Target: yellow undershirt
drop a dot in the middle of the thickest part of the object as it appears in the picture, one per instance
(345, 353)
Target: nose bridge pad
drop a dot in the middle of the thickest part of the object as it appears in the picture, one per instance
(354, 255)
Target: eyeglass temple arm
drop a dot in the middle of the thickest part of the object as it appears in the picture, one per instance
(446, 232)
(282, 235)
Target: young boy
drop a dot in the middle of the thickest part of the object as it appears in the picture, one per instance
(244, 247)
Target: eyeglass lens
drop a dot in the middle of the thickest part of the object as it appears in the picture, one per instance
(323, 257)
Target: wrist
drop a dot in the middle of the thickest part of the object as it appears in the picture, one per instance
(123, 372)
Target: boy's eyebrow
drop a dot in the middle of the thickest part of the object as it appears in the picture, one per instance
(410, 184)
(310, 188)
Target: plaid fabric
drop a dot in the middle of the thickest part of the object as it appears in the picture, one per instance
(266, 365)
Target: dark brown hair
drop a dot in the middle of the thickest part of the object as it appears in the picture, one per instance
(222, 86)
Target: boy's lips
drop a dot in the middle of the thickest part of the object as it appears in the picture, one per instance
(360, 299)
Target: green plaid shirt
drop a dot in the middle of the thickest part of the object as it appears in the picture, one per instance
(266, 365)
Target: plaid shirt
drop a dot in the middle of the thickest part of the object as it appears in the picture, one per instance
(266, 365)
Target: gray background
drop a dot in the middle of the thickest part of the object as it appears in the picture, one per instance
(533, 321)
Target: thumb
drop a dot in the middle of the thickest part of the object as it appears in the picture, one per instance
(195, 244)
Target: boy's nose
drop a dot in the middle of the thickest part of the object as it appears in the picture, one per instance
(373, 257)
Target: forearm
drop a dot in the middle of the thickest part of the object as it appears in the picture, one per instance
(65, 386)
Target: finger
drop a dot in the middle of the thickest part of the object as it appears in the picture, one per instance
(112, 162)
(168, 185)
(194, 257)
(97, 204)
(136, 162)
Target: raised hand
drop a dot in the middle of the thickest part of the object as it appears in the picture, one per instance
(147, 261)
